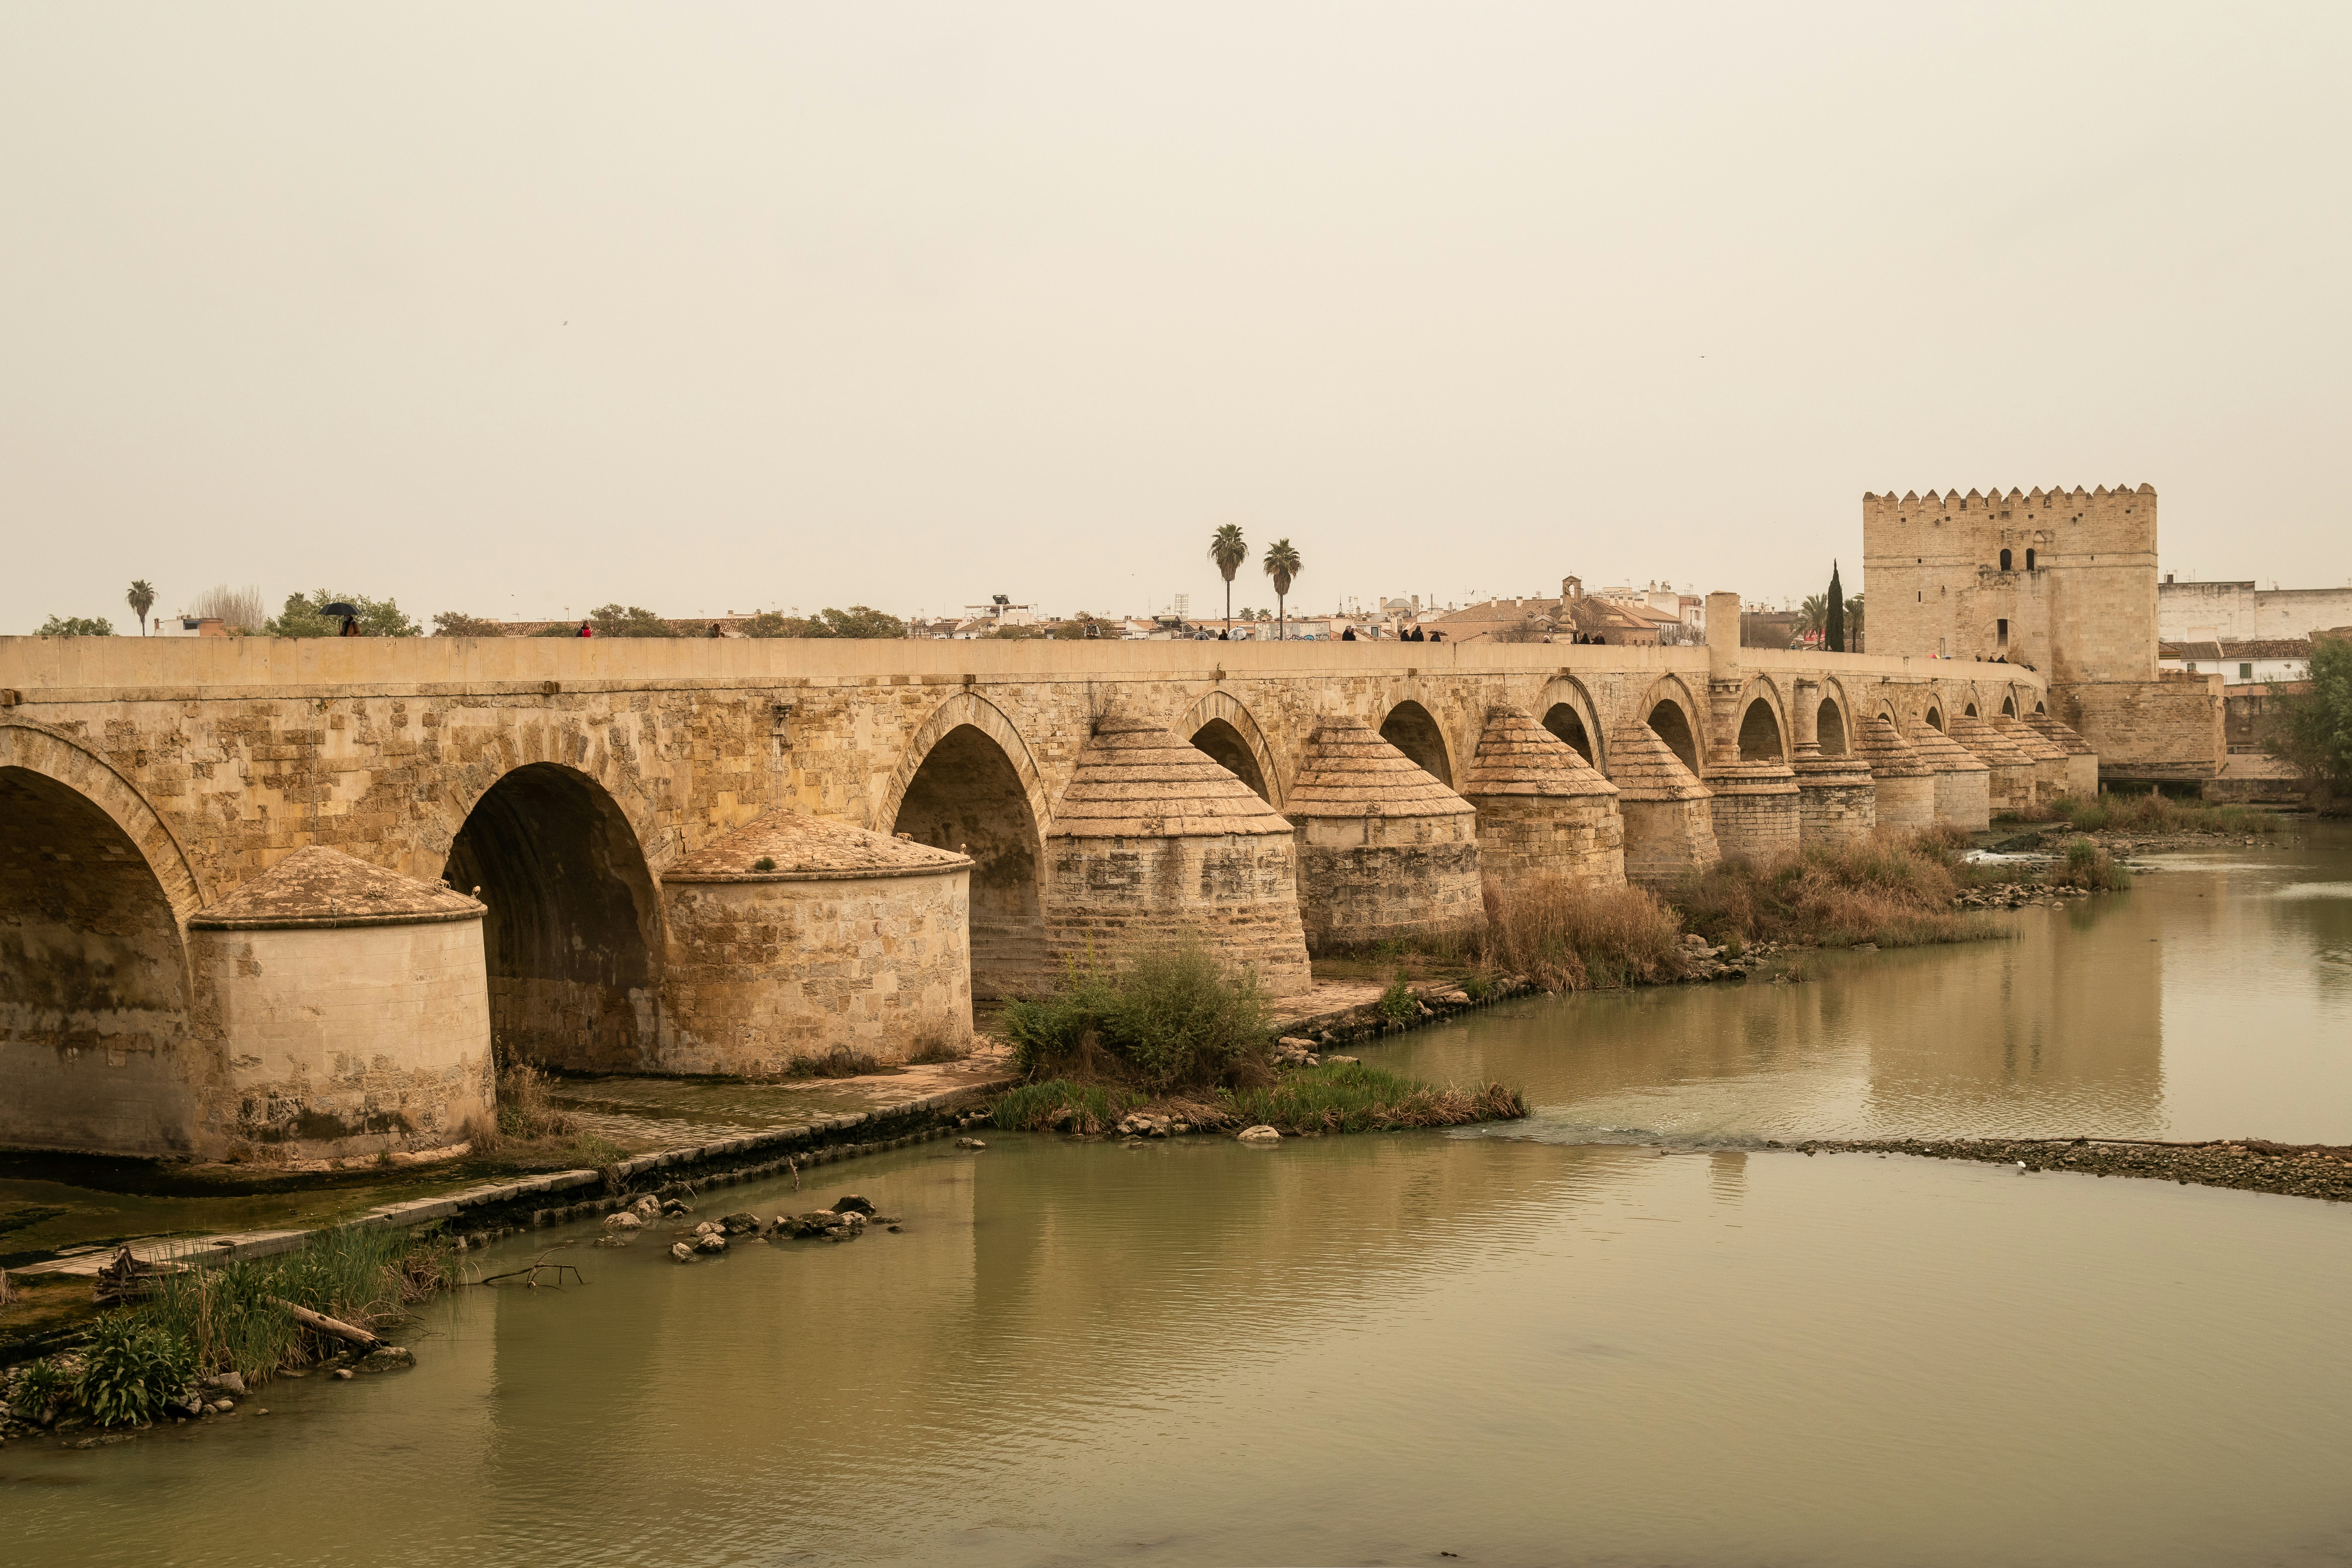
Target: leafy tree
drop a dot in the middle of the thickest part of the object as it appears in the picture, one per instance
(1228, 552)
(770, 624)
(1854, 623)
(75, 626)
(1085, 624)
(141, 599)
(1833, 621)
(1015, 634)
(305, 615)
(2313, 727)
(627, 621)
(1282, 564)
(857, 621)
(459, 624)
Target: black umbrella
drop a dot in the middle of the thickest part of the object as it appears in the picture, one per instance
(342, 610)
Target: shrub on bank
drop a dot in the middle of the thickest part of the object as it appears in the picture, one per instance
(1175, 1018)
(1890, 890)
(2089, 867)
(2154, 814)
(236, 1319)
(1341, 1097)
(1567, 936)
(133, 1367)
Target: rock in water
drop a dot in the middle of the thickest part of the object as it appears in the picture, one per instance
(851, 1204)
(970, 1144)
(387, 1358)
(624, 1220)
(647, 1208)
(682, 1252)
(711, 1242)
(1260, 1135)
(740, 1225)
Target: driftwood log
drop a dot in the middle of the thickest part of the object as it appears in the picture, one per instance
(324, 1324)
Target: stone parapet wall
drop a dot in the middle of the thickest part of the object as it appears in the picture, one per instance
(1108, 901)
(1581, 838)
(762, 974)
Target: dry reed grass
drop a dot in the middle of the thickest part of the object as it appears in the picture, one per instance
(1566, 936)
(1894, 891)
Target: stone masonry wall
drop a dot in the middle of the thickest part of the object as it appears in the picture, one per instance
(1110, 900)
(1581, 838)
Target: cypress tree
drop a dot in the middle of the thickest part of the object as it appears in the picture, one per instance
(1835, 619)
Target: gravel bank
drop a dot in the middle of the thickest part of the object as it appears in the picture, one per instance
(2297, 1170)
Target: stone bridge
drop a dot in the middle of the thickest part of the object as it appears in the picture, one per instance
(567, 782)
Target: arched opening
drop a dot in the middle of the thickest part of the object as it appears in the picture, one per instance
(1760, 733)
(1829, 725)
(2004, 560)
(93, 980)
(2009, 707)
(1566, 722)
(968, 797)
(1411, 730)
(574, 921)
(2038, 708)
(1935, 720)
(1970, 711)
(1673, 727)
(2028, 559)
(1224, 745)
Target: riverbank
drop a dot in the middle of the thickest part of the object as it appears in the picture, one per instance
(2249, 1164)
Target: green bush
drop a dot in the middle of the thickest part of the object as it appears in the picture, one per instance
(41, 1390)
(1396, 1004)
(232, 1315)
(133, 1366)
(1174, 1017)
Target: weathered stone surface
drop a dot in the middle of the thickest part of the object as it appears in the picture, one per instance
(2009, 785)
(2082, 762)
(1260, 1135)
(350, 1005)
(1542, 809)
(1384, 850)
(1963, 788)
(1837, 801)
(1669, 820)
(1905, 785)
(1154, 840)
(849, 940)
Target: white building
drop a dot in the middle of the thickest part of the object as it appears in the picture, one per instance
(2241, 661)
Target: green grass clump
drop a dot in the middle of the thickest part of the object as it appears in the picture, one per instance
(1396, 1004)
(232, 1318)
(1349, 1096)
(2154, 813)
(2090, 868)
(1059, 1105)
(133, 1365)
(1174, 1017)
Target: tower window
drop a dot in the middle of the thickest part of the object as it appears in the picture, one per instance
(2004, 560)
(2028, 559)
(2002, 628)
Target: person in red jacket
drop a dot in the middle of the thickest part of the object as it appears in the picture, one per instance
(586, 630)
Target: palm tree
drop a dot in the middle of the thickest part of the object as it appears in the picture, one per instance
(1282, 566)
(141, 599)
(1226, 552)
(1813, 615)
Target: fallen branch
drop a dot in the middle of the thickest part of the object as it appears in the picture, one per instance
(533, 1273)
(324, 1324)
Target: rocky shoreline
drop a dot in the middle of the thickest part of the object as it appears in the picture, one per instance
(2251, 1164)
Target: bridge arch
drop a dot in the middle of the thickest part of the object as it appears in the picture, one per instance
(1764, 734)
(1568, 711)
(968, 783)
(95, 1018)
(573, 939)
(1669, 708)
(1221, 725)
(1833, 730)
(1413, 730)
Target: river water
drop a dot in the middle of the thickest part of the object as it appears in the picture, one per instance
(1624, 1333)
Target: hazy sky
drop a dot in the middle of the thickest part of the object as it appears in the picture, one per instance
(513, 309)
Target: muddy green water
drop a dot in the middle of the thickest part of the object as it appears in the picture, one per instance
(1527, 1348)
